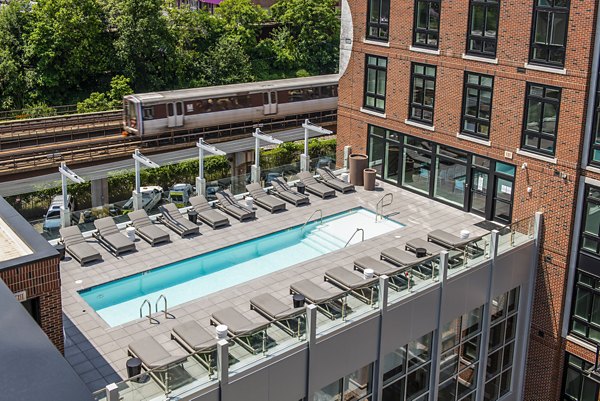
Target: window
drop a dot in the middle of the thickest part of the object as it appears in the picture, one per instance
(549, 36)
(577, 386)
(426, 23)
(501, 344)
(148, 113)
(482, 38)
(594, 157)
(541, 119)
(356, 386)
(585, 317)
(378, 23)
(375, 81)
(477, 105)
(422, 93)
(406, 371)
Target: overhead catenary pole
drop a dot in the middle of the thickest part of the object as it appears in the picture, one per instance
(260, 136)
(204, 147)
(140, 158)
(308, 126)
(66, 174)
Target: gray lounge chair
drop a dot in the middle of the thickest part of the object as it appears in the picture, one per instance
(230, 205)
(315, 187)
(328, 302)
(448, 240)
(206, 213)
(146, 229)
(286, 317)
(329, 179)
(395, 273)
(156, 359)
(243, 330)
(77, 246)
(430, 247)
(350, 281)
(172, 218)
(197, 340)
(262, 199)
(420, 266)
(283, 190)
(108, 234)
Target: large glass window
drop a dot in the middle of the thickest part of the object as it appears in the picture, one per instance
(450, 175)
(426, 31)
(375, 81)
(577, 386)
(376, 148)
(501, 345)
(549, 36)
(590, 241)
(422, 93)
(482, 37)
(406, 371)
(585, 318)
(416, 164)
(477, 105)
(356, 386)
(459, 363)
(378, 23)
(541, 118)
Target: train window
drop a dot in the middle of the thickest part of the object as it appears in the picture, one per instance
(189, 107)
(170, 111)
(328, 91)
(296, 95)
(148, 113)
(179, 108)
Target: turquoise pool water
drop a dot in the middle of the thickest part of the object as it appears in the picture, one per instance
(119, 301)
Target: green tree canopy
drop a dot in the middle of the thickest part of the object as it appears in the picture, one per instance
(226, 62)
(111, 100)
(242, 19)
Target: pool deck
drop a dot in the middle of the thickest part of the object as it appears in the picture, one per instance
(98, 353)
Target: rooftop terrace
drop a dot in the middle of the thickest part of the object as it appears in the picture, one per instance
(99, 353)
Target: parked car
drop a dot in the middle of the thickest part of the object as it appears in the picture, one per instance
(325, 161)
(52, 217)
(151, 196)
(180, 194)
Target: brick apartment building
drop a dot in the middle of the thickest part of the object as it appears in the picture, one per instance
(489, 106)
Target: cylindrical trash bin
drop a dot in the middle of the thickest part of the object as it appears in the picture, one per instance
(300, 187)
(298, 300)
(368, 274)
(369, 178)
(221, 331)
(250, 202)
(130, 232)
(358, 162)
(193, 216)
(134, 367)
(61, 250)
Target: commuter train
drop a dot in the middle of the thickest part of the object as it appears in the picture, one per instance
(188, 109)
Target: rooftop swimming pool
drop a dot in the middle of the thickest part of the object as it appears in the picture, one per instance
(119, 301)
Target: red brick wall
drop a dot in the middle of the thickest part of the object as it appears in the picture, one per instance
(41, 279)
(550, 193)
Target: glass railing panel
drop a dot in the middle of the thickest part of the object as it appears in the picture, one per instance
(471, 254)
(413, 278)
(516, 234)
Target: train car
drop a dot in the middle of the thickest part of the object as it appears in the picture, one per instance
(187, 109)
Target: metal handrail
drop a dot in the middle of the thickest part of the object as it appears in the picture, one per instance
(149, 309)
(156, 304)
(357, 230)
(380, 204)
(311, 216)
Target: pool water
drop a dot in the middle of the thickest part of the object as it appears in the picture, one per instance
(119, 301)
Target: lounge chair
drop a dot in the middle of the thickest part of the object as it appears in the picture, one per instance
(77, 247)
(206, 213)
(197, 340)
(146, 229)
(420, 266)
(329, 179)
(283, 190)
(395, 273)
(108, 235)
(430, 247)
(350, 281)
(327, 301)
(262, 199)
(172, 218)
(230, 205)
(243, 331)
(286, 317)
(448, 240)
(315, 187)
(158, 361)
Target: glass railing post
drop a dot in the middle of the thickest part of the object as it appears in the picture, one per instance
(223, 361)
(443, 266)
(495, 239)
(384, 282)
(537, 229)
(311, 324)
(112, 392)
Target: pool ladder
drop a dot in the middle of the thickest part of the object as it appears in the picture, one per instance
(311, 216)
(357, 230)
(149, 315)
(381, 205)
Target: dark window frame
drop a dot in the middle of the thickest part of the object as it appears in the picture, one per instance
(486, 4)
(595, 137)
(379, 25)
(412, 104)
(581, 367)
(539, 134)
(427, 31)
(548, 47)
(477, 120)
(375, 95)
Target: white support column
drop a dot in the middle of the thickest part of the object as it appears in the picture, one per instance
(383, 307)
(140, 158)
(259, 135)
(66, 173)
(347, 152)
(308, 126)
(311, 337)
(436, 349)
(112, 392)
(202, 147)
(223, 362)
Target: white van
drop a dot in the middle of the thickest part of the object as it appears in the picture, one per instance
(52, 217)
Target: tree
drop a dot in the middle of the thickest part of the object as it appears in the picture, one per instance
(67, 48)
(143, 44)
(15, 21)
(111, 100)
(226, 62)
(242, 20)
(309, 34)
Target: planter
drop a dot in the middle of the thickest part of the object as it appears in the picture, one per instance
(369, 179)
(358, 162)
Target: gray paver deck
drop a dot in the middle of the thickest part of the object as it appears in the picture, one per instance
(98, 352)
